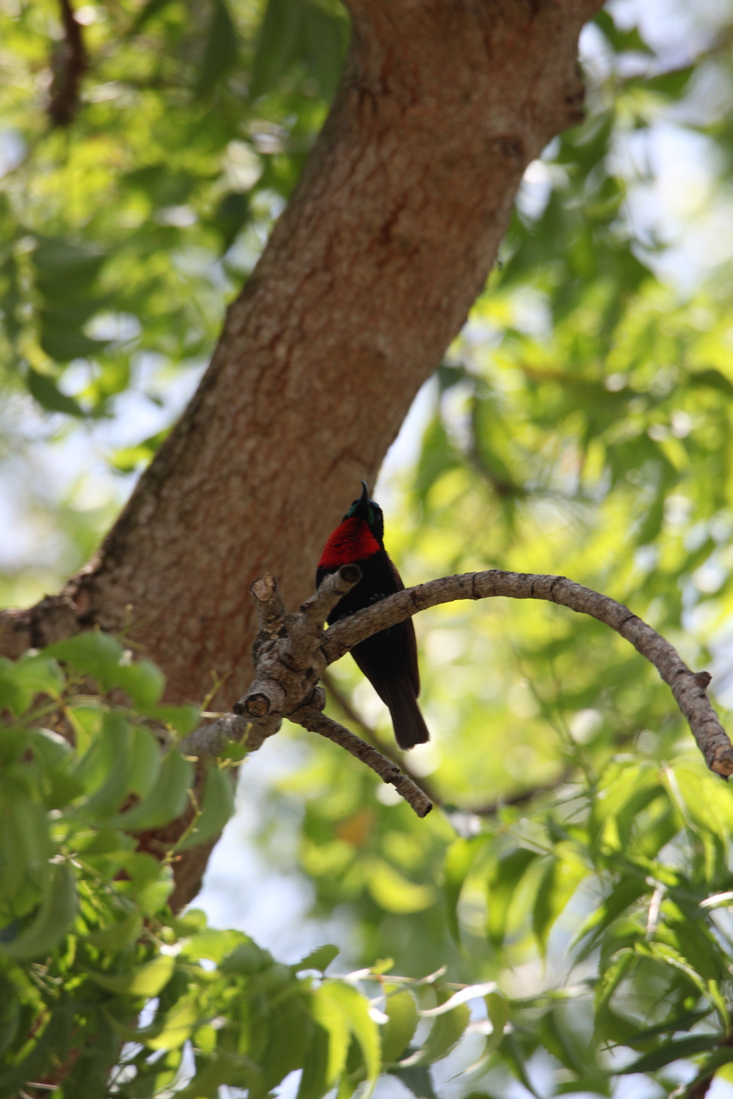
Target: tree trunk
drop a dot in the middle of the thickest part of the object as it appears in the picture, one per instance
(368, 276)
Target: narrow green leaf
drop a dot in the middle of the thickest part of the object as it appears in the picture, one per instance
(512, 1052)
(355, 1010)
(417, 1078)
(328, 1013)
(320, 959)
(459, 859)
(220, 51)
(313, 1080)
(446, 1032)
(672, 1051)
(497, 1009)
(115, 938)
(558, 884)
(49, 926)
(145, 980)
(43, 388)
(709, 1067)
(93, 653)
(167, 800)
(502, 886)
(276, 44)
(401, 1011)
(217, 808)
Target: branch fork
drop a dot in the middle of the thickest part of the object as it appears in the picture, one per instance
(291, 654)
(289, 661)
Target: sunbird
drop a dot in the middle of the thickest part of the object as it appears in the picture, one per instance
(389, 658)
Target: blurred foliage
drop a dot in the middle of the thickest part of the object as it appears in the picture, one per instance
(100, 981)
(576, 882)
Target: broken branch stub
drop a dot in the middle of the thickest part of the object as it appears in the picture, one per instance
(287, 652)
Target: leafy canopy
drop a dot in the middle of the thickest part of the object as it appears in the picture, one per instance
(579, 425)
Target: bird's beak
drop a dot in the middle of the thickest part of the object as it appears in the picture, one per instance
(364, 498)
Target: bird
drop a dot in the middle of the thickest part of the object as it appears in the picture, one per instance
(389, 658)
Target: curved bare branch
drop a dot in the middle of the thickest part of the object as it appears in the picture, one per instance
(688, 687)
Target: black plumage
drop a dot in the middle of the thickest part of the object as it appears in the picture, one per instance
(389, 658)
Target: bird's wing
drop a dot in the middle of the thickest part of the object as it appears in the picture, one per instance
(410, 641)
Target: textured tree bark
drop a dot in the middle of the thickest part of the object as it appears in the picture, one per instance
(369, 274)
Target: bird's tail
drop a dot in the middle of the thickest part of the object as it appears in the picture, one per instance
(409, 724)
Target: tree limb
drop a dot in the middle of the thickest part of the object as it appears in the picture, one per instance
(688, 688)
(291, 653)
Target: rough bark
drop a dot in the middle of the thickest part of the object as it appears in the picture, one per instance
(369, 274)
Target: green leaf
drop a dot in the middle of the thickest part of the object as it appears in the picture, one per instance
(55, 1037)
(611, 978)
(512, 1053)
(313, 1081)
(232, 214)
(276, 44)
(670, 84)
(459, 859)
(328, 1013)
(12, 695)
(395, 893)
(102, 657)
(672, 1051)
(247, 958)
(25, 846)
(144, 980)
(320, 959)
(561, 878)
(624, 893)
(94, 653)
(115, 938)
(220, 51)
(38, 675)
(709, 1067)
(178, 1026)
(166, 801)
(53, 919)
(502, 884)
(183, 719)
(111, 761)
(64, 269)
(711, 378)
(621, 40)
(217, 808)
(445, 1033)
(142, 680)
(355, 1010)
(44, 389)
(397, 1033)
(63, 345)
(416, 1078)
(497, 1009)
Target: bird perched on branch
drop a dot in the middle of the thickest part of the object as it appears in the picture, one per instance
(389, 658)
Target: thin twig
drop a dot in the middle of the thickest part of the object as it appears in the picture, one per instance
(370, 735)
(316, 722)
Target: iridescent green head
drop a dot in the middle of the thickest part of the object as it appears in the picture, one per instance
(370, 511)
